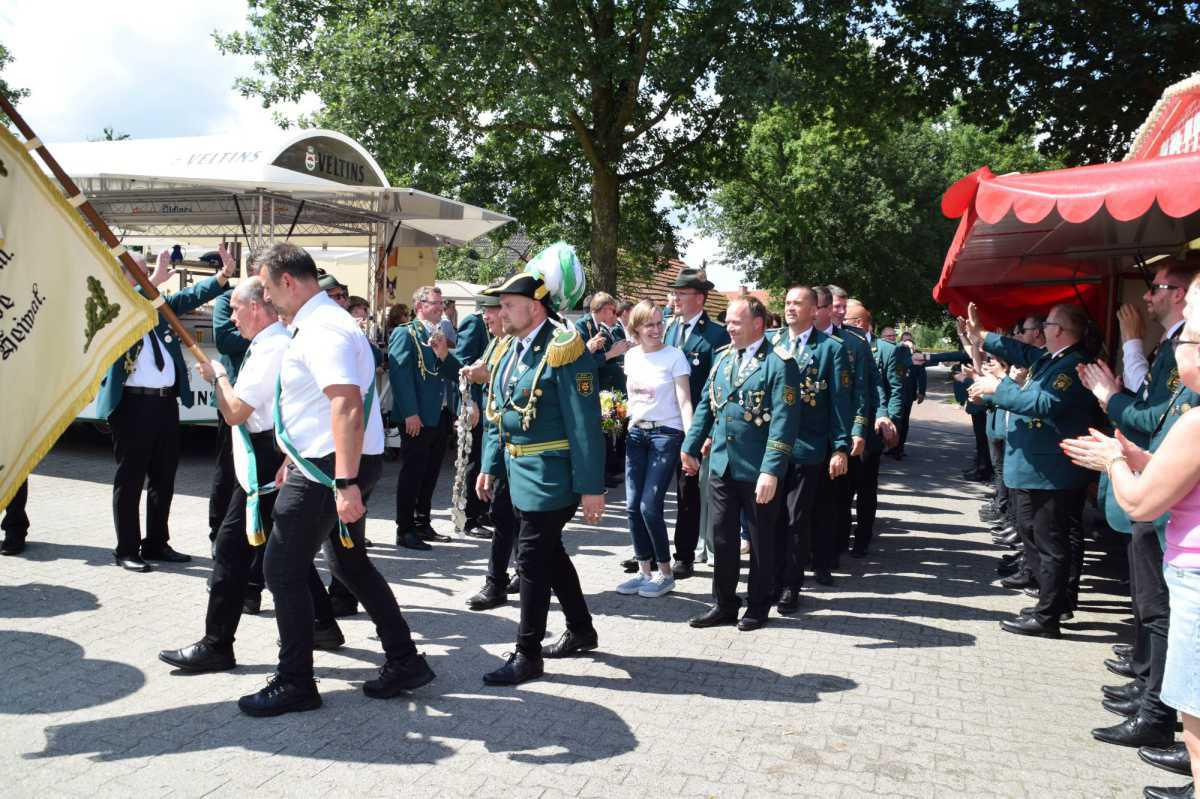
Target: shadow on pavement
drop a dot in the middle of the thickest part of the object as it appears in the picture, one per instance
(84, 683)
(41, 601)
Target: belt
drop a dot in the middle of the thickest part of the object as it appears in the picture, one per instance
(517, 450)
(648, 425)
(150, 392)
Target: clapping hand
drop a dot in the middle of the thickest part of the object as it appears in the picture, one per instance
(596, 343)
(1097, 451)
(1131, 322)
(983, 386)
(1099, 379)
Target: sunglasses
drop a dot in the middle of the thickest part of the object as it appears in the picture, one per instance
(1164, 286)
(1176, 343)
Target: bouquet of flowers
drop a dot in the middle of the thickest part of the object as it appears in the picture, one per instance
(614, 413)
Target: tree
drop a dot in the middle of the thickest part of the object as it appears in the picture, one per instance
(1080, 76)
(858, 207)
(14, 95)
(111, 135)
(575, 114)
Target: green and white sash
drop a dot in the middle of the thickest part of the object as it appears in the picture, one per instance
(307, 466)
(245, 466)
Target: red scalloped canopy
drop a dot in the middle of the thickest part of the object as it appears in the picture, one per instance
(1026, 242)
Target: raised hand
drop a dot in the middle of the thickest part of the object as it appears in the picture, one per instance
(1131, 322)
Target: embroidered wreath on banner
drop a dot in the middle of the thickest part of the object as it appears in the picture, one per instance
(100, 312)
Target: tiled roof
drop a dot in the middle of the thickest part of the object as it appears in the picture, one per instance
(655, 288)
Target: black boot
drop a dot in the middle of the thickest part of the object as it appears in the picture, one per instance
(398, 676)
(281, 696)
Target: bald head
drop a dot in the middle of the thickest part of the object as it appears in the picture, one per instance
(857, 314)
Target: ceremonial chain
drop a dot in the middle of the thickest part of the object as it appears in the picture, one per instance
(424, 370)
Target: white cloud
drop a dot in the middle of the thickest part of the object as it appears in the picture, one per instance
(142, 67)
(702, 248)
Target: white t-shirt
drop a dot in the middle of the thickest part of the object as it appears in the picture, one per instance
(260, 370)
(327, 349)
(650, 381)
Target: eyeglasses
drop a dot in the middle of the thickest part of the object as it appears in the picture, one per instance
(1034, 329)
(1051, 324)
(1164, 286)
(338, 295)
(1176, 343)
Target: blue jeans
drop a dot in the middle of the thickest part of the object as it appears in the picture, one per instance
(651, 459)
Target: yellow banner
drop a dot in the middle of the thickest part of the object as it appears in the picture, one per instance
(67, 313)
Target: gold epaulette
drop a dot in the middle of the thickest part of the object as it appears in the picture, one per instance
(783, 352)
(498, 351)
(722, 349)
(565, 347)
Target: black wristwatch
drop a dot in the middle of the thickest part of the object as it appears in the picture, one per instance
(344, 482)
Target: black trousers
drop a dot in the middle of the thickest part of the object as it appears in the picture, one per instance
(476, 507)
(687, 516)
(733, 501)
(1022, 504)
(420, 463)
(504, 535)
(1000, 501)
(305, 522)
(235, 561)
(906, 407)
(795, 525)
(833, 507)
(545, 566)
(1058, 540)
(864, 484)
(16, 521)
(1151, 618)
(145, 433)
(983, 458)
(223, 478)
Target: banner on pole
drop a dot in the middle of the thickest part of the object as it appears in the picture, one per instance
(66, 313)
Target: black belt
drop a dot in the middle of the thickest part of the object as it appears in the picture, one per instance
(150, 392)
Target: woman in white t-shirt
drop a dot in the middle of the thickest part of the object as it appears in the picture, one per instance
(660, 410)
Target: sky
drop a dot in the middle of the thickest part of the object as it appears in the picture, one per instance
(151, 69)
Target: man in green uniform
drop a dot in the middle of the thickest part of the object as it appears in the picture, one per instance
(423, 374)
(544, 437)
(822, 443)
(749, 410)
(1052, 405)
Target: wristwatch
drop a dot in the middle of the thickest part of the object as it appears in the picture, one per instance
(344, 482)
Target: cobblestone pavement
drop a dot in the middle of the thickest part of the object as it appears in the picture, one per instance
(895, 682)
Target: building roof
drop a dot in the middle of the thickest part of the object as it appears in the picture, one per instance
(763, 296)
(638, 287)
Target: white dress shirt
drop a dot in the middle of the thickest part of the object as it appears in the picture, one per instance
(145, 374)
(327, 349)
(523, 346)
(1134, 364)
(260, 370)
(748, 355)
(796, 346)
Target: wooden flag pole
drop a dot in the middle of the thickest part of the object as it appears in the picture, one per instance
(76, 198)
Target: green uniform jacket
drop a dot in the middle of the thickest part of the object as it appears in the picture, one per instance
(766, 392)
(705, 338)
(230, 344)
(415, 392)
(611, 371)
(567, 410)
(864, 376)
(113, 385)
(473, 338)
(1051, 406)
(824, 397)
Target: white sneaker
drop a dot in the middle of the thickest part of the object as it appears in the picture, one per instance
(633, 584)
(657, 586)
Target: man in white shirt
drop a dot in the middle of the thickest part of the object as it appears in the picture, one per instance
(237, 562)
(333, 438)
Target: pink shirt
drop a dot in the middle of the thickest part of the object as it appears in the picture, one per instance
(1183, 532)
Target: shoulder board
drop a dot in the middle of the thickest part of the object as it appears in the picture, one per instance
(722, 349)
(498, 351)
(565, 347)
(784, 353)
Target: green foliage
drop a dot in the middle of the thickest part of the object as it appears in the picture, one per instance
(1082, 75)
(824, 202)
(14, 95)
(470, 264)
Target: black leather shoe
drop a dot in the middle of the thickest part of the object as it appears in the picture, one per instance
(1008, 568)
(252, 604)
(514, 585)
(1032, 591)
(199, 657)
(1120, 667)
(1173, 758)
(571, 643)
(748, 623)
(517, 669)
(281, 696)
(328, 637)
(681, 570)
(1122, 707)
(1182, 792)
(165, 554)
(1028, 625)
(343, 606)
(411, 540)
(1123, 650)
(1008, 539)
(490, 597)
(630, 566)
(426, 532)
(1130, 690)
(478, 531)
(131, 563)
(398, 676)
(858, 552)
(12, 546)
(715, 617)
(1066, 615)
(1020, 580)
(1136, 731)
(789, 601)
(823, 577)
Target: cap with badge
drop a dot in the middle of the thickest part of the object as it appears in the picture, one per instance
(327, 281)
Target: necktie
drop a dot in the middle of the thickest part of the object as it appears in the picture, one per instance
(159, 362)
(512, 365)
(741, 357)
